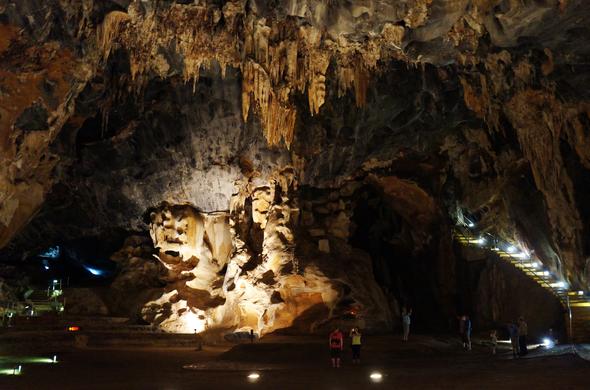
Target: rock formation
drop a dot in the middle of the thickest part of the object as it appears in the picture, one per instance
(294, 161)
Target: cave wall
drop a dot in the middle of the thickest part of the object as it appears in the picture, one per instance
(110, 109)
(494, 293)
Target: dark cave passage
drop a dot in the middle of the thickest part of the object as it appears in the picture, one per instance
(405, 271)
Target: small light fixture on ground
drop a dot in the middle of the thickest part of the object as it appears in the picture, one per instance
(548, 343)
(510, 249)
(376, 376)
(55, 358)
(546, 273)
(253, 376)
(580, 293)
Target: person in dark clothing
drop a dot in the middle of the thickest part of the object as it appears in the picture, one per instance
(251, 335)
(523, 330)
(513, 332)
(465, 331)
(406, 321)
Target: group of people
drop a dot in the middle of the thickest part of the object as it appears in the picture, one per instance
(518, 334)
(518, 337)
(336, 342)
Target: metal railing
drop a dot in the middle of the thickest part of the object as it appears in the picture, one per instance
(533, 268)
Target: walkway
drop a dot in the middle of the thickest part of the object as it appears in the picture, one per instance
(576, 303)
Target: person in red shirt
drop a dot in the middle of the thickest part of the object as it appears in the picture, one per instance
(336, 342)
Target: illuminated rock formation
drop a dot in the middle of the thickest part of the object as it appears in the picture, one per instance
(251, 276)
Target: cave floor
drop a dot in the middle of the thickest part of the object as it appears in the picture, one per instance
(302, 363)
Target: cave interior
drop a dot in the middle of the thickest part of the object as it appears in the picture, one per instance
(227, 166)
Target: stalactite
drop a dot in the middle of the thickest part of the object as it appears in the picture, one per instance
(316, 91)
(109, 30)
(278, 119)
(361, 80)
(541, 121)
(277, 59)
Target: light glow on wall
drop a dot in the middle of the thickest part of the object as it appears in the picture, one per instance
(51, 252)
(191, 323)
(94, 271)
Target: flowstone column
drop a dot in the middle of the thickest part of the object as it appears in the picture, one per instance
(264, 282)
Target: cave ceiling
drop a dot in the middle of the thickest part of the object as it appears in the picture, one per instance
(109, 109)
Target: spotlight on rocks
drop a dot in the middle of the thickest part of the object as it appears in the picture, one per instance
(376, 377)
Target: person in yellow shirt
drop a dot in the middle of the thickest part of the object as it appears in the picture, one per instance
(355, 335)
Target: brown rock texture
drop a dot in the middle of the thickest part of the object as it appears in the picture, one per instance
(294, 162)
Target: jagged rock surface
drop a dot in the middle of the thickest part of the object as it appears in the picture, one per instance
(108, 109)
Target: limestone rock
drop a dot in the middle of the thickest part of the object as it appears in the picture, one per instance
(239, 133)
(84, 301)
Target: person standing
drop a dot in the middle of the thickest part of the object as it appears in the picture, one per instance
(523, 330)
(355, 335)
(513, 332)
(336, 342)
(406, 321)
(465, 330)
(494, 340)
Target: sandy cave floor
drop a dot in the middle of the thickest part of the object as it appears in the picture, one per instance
(286, 362)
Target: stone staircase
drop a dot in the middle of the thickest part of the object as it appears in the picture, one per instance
(576, 303)
(49, 300)
(41, 302)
